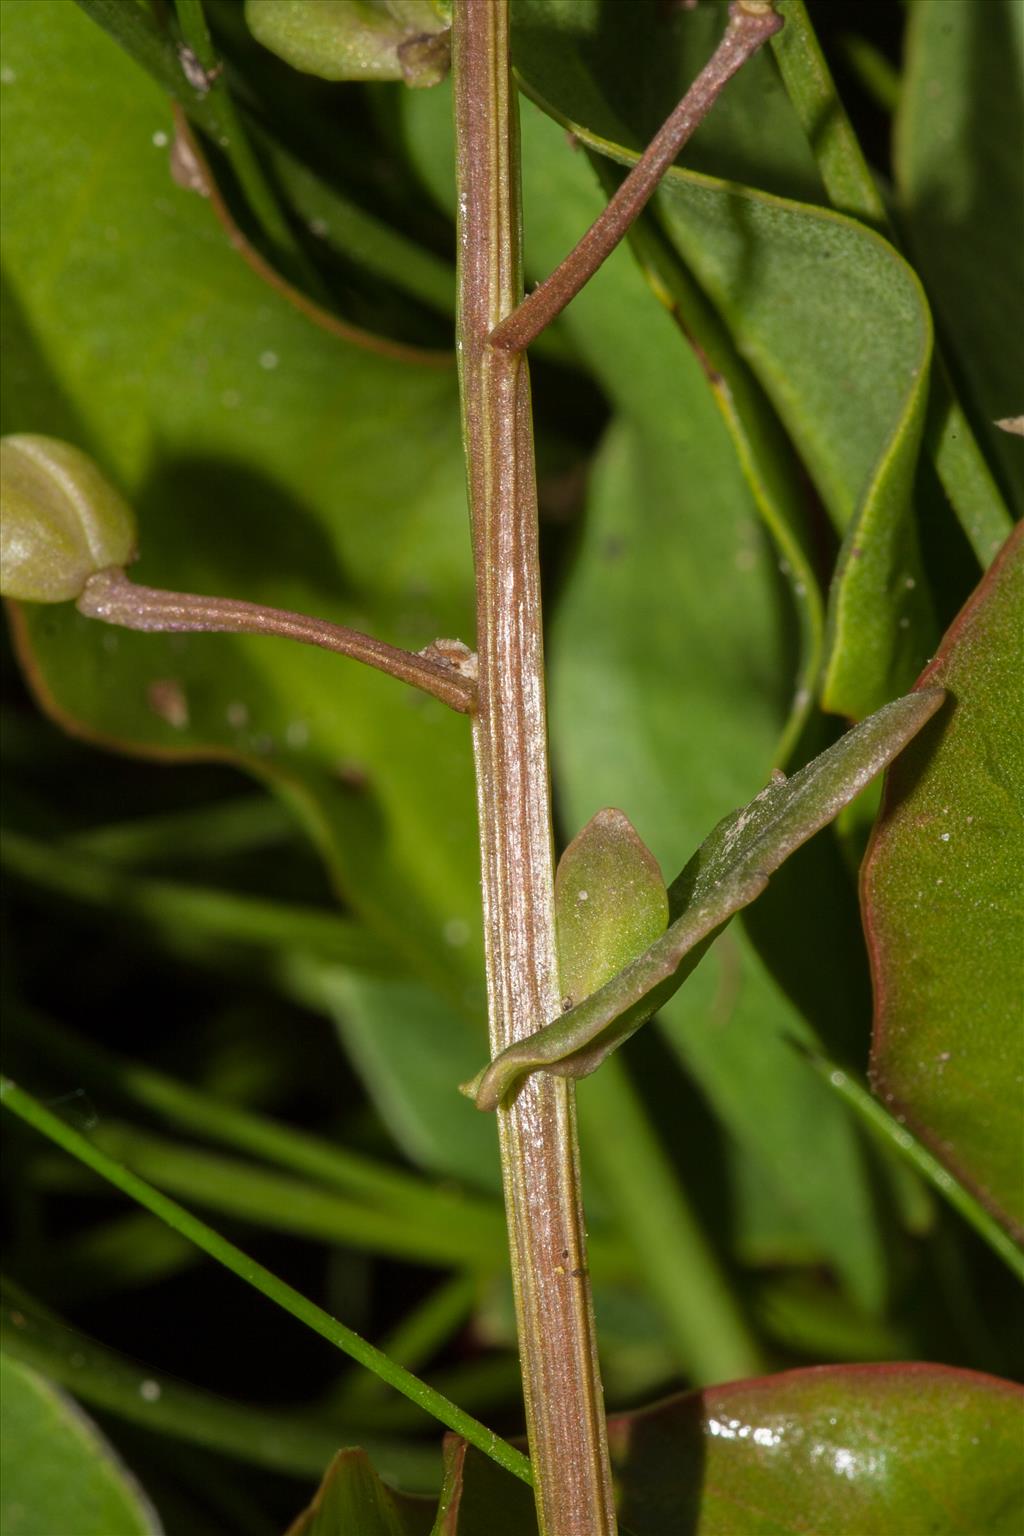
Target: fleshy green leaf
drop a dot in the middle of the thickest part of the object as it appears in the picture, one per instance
(921, 1450)
(356, 39)
(352, 1501)
(61, 520)
(260, 454)
(610, 903)
(942, 905)
(960, 177)
(730, 869)
(59, 1474)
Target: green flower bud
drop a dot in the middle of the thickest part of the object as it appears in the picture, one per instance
(357, 39)
(61, 520)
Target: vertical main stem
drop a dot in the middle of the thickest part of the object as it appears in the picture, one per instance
(562, 1389)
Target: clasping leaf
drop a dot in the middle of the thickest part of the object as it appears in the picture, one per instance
(728, 871)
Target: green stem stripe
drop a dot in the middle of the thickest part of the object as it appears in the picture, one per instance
(448, 1413)
(928, 1166)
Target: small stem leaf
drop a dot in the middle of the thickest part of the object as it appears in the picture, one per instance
(728, 871)
(62, 520)
(373, 40)
(610, 903)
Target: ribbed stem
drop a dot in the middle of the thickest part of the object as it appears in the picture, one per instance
(564, 1403)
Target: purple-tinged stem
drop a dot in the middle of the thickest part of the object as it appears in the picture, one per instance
(751, 23)
(112, 597)
(537, 1129)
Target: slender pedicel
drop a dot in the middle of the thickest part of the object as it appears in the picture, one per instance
(112, 597)
(751, 23)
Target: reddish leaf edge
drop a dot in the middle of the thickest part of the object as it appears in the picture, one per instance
(893, 1103)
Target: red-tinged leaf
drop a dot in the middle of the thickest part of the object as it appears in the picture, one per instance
(833, 1451)
(352, 1501)
(942, 905)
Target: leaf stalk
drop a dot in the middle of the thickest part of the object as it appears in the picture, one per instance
(750, 24)
(443, 669)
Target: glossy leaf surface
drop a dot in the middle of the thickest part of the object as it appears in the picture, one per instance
(917, 1449)
(912, 1448)
(59, 1474)
(730, 869)
(942, 904)
(352, 1501)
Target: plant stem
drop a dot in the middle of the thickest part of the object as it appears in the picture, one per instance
(111, 596)
(48, 1124)
(750, 25)
(561, 1382)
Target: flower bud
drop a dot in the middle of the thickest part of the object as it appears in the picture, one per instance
(61, 520)
(357, 39)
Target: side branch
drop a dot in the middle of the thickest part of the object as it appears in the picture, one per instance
(112, 597)
(751, 23)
